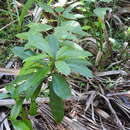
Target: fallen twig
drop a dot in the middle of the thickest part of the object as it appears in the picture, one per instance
(108, 73)
(10, 102)
(4, 122)
(118, 94)
(115, 63)
(117, 120)
(5, 71)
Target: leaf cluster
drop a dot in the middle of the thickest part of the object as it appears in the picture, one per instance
(54, 56)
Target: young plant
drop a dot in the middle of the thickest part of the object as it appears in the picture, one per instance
(53, 57)
(57, 59)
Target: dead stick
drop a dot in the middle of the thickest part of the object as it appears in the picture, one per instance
(10, 102)
(6, 71)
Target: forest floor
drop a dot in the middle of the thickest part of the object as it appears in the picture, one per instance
(98, 103)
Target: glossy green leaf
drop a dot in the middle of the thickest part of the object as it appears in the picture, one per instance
(11, 86)
(20, 52)
(36, 57)
(16, 109)
(78, 61)
(69, 16)
(20, 125)
(59, 9)
(79, 16)
(81, 69)
(31, 83)
(62, 34)
(25, 118)
(71, 26)
(72, 6)
(35, 28)
(38, 42)
(35, 81)
(54, 44)
(62, 67)
(33, 108)
(46, 7)
(66, 52)
(129, 29)
(23, 35)
(30, 67)
(57, 105)
(71, 44)
(25, 9)
(101, 12)
(60, 86)
(72, 16)
(38, 27)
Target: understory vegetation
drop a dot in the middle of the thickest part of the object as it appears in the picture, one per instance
(65, 64)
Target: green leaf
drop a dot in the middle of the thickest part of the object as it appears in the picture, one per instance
(59, 9)
(25, 9)
(72, 26)
(66, 52)
(16, 109)
(81, 69)
(62, 67)
(36, 57)
(38, 42)
(129, 29)
(60, 86)
(86, 27)
(11, 88)
(71, 44)
(33, 108)
(28, 85)
(38, 27)
(35, 29)
(54, 44)
(35, 81)
(72, 16)
(68, 15)
(57, 105)
(62, 34)
(20, 52)
(46, 7)
(24, 115)
(20, 125)
(72, 6)
(4, 95)
(14, 84)
(23, 35)
(101, 12)
(79, 16)
(31, 67)
(78, 61)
